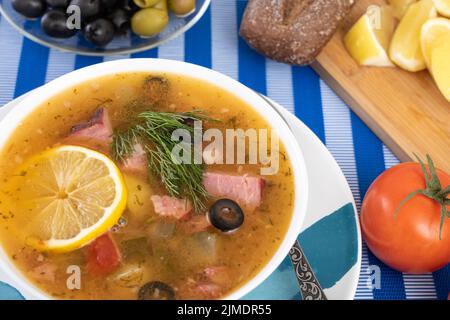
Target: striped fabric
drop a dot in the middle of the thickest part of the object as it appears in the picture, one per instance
(214, 43)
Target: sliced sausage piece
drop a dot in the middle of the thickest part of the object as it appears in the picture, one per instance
(95, 133)
(245, 190)
(208, 290)
(45, 272)
(198, 223)
(137, 162)
(172, 207)
(217, 274)
(199, 290)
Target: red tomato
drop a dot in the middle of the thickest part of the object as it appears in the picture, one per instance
(409, 241)
(103, 255)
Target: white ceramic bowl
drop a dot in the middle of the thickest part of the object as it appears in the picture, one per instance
(39, 96)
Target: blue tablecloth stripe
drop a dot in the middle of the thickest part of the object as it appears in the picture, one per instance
(32, 67)
(442, 282)
(214, 42)
(146, 54)
(308, 99)
(252, 66)
(59, 63)
(370, 164)
(198, 42)
(84, 61)
(10, 48)
(224, 22)
(280, 84)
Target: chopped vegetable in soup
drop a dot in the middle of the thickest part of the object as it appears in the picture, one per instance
(93, 204)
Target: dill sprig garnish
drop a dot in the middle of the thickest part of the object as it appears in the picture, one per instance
(154, 131)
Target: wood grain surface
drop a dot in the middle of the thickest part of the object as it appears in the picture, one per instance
(405, 110)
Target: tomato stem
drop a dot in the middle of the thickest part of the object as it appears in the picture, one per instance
(433, 190)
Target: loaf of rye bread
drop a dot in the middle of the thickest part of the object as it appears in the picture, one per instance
(292, 31)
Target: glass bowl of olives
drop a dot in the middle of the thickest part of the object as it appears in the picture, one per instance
(102, 27)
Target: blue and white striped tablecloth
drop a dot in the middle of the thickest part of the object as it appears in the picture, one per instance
(214, 43)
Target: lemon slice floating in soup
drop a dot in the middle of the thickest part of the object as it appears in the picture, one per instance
(70, 196)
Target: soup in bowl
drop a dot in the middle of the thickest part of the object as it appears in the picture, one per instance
(146, 179)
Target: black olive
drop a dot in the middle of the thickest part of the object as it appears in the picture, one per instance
(189, 122)
(156, 290)
(226, 215)
(54, 23)
(156, 88)
(108, 3)
(58, 3)
(127, 5)
(29, 8)
(99, 32)
(88, 8)
(121, 20)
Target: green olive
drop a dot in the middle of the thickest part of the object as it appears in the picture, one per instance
(145, 3)
(181, 7)
(161, 5)
(149, 22)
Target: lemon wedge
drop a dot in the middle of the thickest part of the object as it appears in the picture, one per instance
(443, 7)
(400, 7)
(405, 49)
(431, 33)
(440, 66)
(67, 197)
(368, 40)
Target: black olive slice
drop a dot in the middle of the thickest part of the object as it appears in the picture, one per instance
(156, 290)
(226, 215)
(156, 88)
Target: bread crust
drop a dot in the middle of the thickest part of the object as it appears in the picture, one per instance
(292, 31)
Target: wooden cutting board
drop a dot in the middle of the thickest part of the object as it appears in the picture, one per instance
(405, 110)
